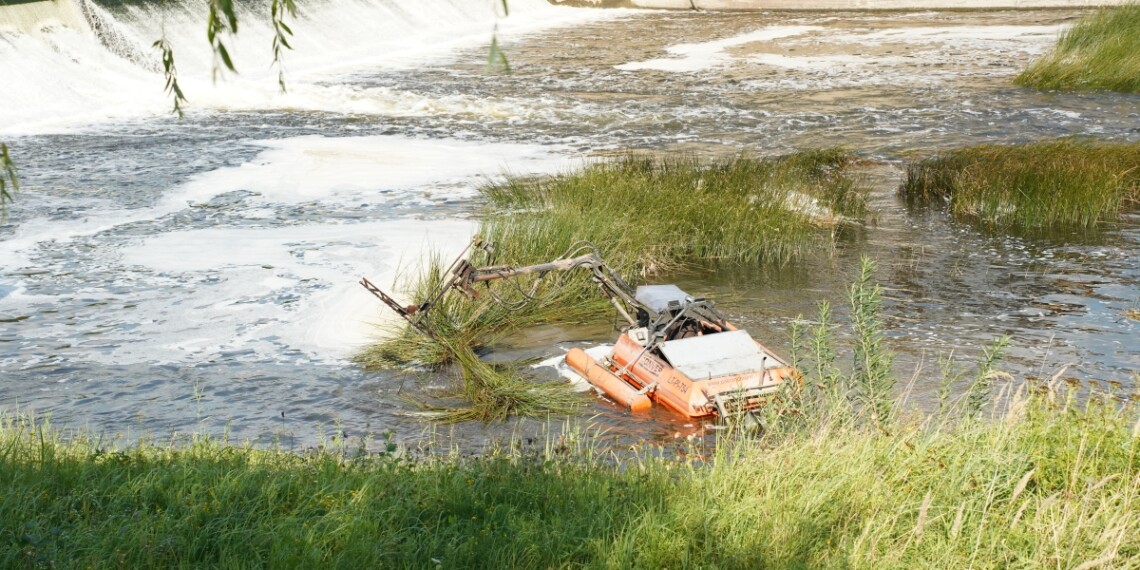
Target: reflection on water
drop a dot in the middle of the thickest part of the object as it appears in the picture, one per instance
(100, 330)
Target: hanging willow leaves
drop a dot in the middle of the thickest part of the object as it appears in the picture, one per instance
(171, 75)
(496, 59)
(277, 12)
(222, 19)
(7, 179)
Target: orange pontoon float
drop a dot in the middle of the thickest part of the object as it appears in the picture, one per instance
(678, 351)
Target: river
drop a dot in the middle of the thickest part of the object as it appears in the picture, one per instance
(162, 275)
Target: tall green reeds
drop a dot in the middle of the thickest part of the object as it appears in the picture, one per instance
(1102, 51)
(645, 215)
(1067, 182)
(872, 376)
(651, 214)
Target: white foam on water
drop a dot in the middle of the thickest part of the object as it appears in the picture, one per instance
(371, 168)
(708, 55)
(361, 170)
(969, 34)
(926, 45)
(275, 287)
(235, 308)
(818, 62)
(576, 380)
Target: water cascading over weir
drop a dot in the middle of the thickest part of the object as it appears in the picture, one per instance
(41, 16)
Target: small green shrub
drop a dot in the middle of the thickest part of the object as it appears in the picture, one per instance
(1067, 182)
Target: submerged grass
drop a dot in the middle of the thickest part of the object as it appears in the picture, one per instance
(645, 215)
(1102, 51)
(1067, 182)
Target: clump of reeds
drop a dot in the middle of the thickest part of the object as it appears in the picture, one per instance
(1102, 51)
(654, 213)
(1067, 182)
(462, 327)
(645, 215)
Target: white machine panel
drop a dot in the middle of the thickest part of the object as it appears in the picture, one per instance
(716, 355)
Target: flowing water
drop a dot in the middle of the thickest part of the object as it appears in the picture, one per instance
(160, 275)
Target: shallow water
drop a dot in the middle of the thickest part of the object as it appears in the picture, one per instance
(162, 276)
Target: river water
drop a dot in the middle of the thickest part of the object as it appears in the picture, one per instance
(164, 276)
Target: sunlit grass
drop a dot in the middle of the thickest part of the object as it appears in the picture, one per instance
(1102, 51)
(650, 214)
(1068, 182)
(1045, 482)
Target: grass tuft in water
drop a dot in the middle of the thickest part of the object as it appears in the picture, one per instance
(1061, 183)
(464, 327)
(651, 214)
(1102, 51)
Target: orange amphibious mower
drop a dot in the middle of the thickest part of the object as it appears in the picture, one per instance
(677, 351)
(683, 355)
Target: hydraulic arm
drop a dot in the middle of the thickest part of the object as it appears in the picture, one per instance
(462, 276)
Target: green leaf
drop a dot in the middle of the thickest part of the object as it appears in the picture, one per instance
(7, 178)
(496, 59)
(225, 55)
(171, 73)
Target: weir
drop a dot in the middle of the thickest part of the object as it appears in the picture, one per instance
(35, 16)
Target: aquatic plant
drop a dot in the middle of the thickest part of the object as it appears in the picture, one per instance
(647, 215)
(981, 391)
(1101, 51)
(650, 214)
(1066, 182)
(7, 179)
(872, 377)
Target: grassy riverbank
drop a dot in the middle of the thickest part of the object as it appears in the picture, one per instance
(1102, 51)
(1046, 484)
(842, 477)
(644, 215)
(1073, 183)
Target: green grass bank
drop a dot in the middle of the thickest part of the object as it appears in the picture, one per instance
(1101, 51)
(645, 215)
(1061, 183)
(1047, 483)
